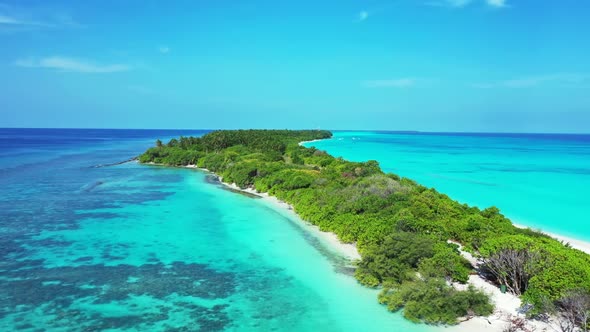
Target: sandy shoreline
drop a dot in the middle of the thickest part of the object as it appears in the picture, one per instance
(506, 305)
(347, 250)
(314, 140)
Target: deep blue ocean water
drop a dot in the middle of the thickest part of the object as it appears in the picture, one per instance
(537, 180)
(145, 248)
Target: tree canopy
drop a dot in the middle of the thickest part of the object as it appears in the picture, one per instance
(401, 228)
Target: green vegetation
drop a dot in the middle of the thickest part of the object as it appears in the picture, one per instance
(433, 301)
(400, 227)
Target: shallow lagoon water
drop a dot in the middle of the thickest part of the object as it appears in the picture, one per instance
(136, 248)
(537, 180)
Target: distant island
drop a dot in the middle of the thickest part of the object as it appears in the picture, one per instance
(415, 242)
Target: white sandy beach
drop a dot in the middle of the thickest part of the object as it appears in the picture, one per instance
(506, 305)
(574, 243)
(346, 250)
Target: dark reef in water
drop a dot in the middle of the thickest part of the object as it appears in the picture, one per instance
(214, 179)
(54, 290)
(90, 187)
(117, 163)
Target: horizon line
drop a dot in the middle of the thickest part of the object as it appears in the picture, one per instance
(333, 130)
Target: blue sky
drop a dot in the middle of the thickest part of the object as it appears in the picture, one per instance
(432, 65)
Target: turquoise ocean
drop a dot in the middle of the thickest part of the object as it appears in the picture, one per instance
(537, 180)
(91, 245)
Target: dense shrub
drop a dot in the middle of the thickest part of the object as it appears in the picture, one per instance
(433, 301)
(400, 227)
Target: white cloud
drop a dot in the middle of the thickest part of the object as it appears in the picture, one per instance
(14, 21)
(531, 81)
(449, 3)
(8, 20)
(19, 18)
(363, 15)
(71, 65)
(405, 82)
(496, 3)
(164, 49)
(465, 3)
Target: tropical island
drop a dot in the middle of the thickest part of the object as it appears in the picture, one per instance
(414, 241)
